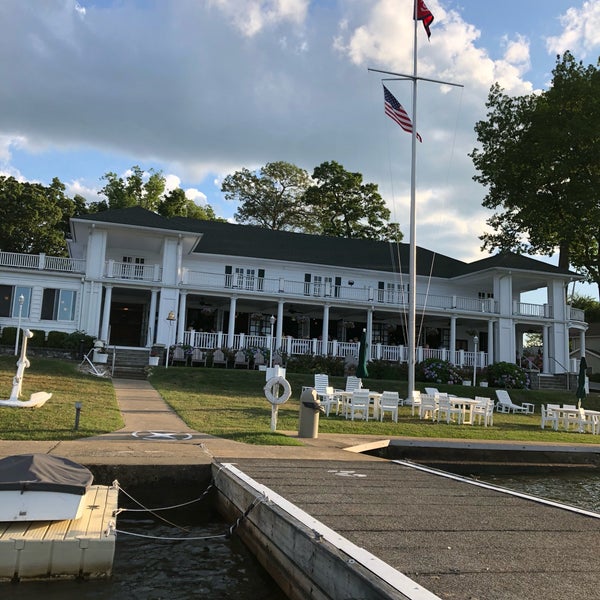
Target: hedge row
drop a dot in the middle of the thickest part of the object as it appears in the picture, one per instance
(77, 340)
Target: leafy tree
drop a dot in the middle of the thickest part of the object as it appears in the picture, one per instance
(589, 305)
(344, 206)
(175, 204)
(33, 217)
(133, 191)
(539, 161)
(270, 197)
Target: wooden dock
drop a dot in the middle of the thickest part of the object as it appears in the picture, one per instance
(381, 529)
(83, 547)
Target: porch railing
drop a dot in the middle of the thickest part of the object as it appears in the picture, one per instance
(299, 347)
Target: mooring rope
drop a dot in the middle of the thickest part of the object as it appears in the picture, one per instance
(227, 535)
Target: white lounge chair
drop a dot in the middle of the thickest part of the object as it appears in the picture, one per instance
(506, 405)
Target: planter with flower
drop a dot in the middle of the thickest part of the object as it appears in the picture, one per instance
(99, 356)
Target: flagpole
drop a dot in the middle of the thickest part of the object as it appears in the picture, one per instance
(420, 12)
(412, 266)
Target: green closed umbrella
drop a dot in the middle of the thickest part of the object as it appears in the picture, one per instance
(361, 369)
(580, 393)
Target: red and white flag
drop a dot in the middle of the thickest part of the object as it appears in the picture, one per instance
(422, 13)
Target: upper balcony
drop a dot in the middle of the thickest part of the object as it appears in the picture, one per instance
(316, 292)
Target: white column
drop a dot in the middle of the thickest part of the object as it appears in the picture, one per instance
(581, 344)
(231, 325)
(546, 347)
(453, 340)
(181, 316)
(279, 325)
(490, 342)
(370, 332)
(152, 319)
(325, 330)
(106, 314)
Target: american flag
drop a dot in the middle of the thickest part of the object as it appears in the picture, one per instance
(394, 110)
(424, 14)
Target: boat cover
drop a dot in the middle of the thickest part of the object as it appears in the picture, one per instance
(44, 473)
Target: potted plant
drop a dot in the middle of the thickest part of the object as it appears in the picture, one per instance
(100, 355)
(153, 359)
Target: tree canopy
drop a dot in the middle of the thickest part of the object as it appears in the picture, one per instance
(343, 206)
(35, 218)
(335, 202)
(270, 197)
(539, 160)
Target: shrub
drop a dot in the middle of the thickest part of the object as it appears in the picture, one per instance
(57, 339)
(9, 336)
(506, 375)
(383, 369)
(438, 371)
(39, 338)
(316, 364)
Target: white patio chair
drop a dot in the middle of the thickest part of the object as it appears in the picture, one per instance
(241, 360)
(506, 405)
(353, 383)
(198, 357)
(179, 356)
(414, 399)
(389, 402)
(484, 411)
(429, 407)
(447, 412)
(321, 382)
(550, 416)
(571, 419)
(358, 402)
(589, 422)
(219, 358)
(329, 400)
(259, 359)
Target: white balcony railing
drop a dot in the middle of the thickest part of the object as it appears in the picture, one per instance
(41, 262)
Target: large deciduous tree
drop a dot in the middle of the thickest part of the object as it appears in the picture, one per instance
(34, 218)
(270, 197)
(343, 206)
(539, 159)
(133, 191)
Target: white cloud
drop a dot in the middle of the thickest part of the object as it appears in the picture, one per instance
(196, 196)
(252, 16)
(581, 33)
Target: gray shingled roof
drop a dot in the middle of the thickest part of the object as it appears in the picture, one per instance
(257, 242)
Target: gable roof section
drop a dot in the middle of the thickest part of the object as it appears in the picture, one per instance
(250, 241)
(510, 260)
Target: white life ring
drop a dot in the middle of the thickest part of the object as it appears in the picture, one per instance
(272, 388)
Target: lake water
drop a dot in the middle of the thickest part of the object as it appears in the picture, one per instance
(150, 569)
(220, 569)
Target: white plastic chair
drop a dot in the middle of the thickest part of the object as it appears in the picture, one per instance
(447, 412)
(329, 400)
(589, 422)
(198, 357)
(358, 402)
(506, 405)
(429, 407)
(549, 416)
(179, 355)
(389, 402)
(414, 399)
(353, 383)
(484, 411)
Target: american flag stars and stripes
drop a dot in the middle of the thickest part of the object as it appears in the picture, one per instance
(394, 110)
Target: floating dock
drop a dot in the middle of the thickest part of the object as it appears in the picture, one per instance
(83, 547)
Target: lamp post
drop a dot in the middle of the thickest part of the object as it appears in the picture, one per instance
(21, 301)
(272, 321)
(170, 319)
(475, 341)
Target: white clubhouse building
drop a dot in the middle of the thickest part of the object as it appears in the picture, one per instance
(135, 279)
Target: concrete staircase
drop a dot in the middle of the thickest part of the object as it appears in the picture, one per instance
(553, 382)
(129, 363)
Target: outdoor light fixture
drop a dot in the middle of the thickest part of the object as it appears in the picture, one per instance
(170, 319)
(475, 341)
(272, 321)
(21, 301)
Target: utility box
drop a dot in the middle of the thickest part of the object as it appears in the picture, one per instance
(310, 407)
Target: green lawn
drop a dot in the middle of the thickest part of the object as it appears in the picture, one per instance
(231, 404)
(55, 420)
